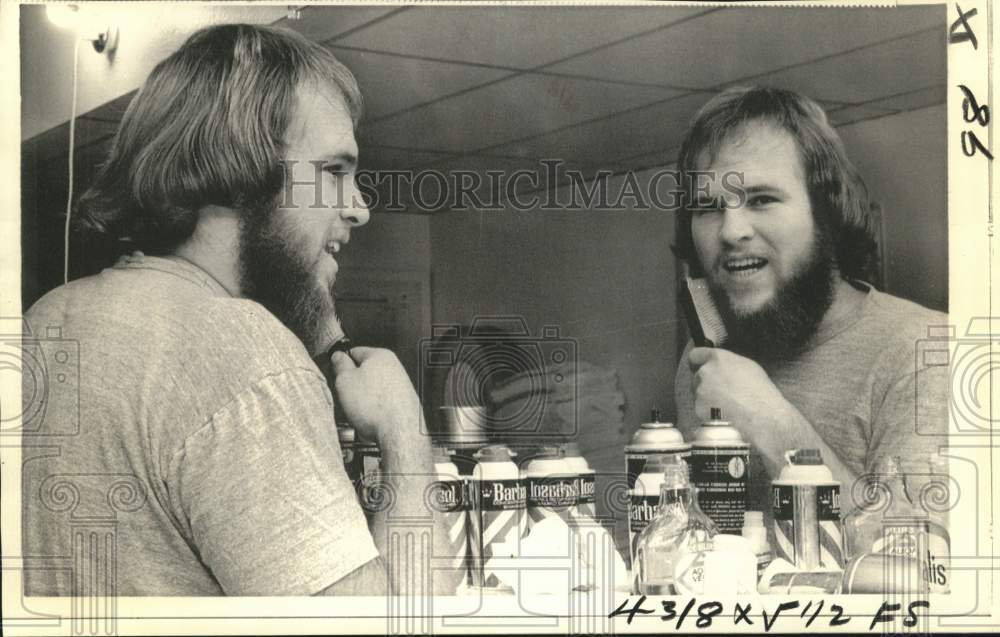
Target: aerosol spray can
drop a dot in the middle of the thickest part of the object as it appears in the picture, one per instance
(653, 438)
(449, 497)
(348, 453)
(465, 434)
(551, 491)
(369, 458)
(500, 498)
(806, 501)
(645, 497)
(577, 466)
(720, 460)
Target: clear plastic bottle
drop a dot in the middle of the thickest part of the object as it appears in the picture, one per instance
(679, 527)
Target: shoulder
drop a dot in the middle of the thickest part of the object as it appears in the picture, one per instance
(902, 325)
(888, 338)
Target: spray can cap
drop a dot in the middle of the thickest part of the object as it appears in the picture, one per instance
(806, 456)
(549, 452)
(494, 453)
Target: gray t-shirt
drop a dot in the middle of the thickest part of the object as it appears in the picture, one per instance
(862, 385)
(192, 451)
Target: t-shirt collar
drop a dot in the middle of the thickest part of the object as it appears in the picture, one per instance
(177, 266)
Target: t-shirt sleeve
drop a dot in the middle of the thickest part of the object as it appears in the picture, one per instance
(264, 492)
(912, 422)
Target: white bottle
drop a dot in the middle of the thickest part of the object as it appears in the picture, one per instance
(754, 530)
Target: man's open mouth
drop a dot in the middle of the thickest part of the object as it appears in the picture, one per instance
(745, 266)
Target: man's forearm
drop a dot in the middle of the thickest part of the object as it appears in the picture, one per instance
(411, 535)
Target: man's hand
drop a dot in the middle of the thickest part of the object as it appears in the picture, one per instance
(376, 394)
(742, 390)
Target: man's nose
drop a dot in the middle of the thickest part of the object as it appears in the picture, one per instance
(355, 210)
(736, 226)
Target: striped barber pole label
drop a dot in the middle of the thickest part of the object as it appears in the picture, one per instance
(827, 516)
(449, 497)
(831, 535)
(501, 516)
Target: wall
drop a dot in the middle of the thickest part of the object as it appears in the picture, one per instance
(147, 34)
(902, 158)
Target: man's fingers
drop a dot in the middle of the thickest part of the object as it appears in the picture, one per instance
(361, 353)
(698, 356)
(341, 362)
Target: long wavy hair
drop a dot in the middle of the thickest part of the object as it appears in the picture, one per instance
(838, 195)
(207, 127)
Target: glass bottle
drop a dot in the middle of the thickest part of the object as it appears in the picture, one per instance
(886, 520)
(679, 527)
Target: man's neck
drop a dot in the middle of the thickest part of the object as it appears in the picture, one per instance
(846, 306)
(214, 247)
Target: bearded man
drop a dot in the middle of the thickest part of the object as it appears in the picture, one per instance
(207, 433)
(815, 356)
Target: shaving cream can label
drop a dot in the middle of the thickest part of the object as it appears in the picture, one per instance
(720, 474)
(807, 525)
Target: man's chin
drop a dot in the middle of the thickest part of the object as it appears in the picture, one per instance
(746, 306)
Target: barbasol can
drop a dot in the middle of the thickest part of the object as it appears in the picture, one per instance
(500, 498)
(643, 500)
(576, 465)
(449, 498)
(551, 491)
(720, 461)
(806, 507)
(653, 438)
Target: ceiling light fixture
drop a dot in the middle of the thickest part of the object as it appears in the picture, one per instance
(102, 36)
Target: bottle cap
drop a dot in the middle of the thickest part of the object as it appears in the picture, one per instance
(888, 466)
(675, 472)
(753, 529)
(494, 453)
(753, 519)
(807, 456)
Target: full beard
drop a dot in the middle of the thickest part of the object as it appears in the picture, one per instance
(279, 276)
(784, 326)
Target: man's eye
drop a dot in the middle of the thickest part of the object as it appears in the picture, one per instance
(335, 170)
(759, 201)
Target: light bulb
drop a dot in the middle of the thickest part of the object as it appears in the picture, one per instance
(64, 16)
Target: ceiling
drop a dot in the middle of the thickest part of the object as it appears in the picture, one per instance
(598, 87)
